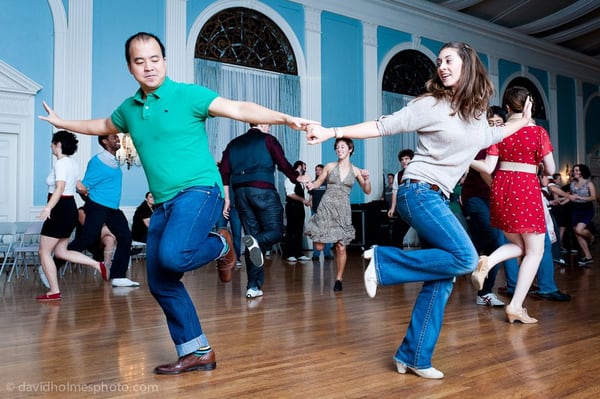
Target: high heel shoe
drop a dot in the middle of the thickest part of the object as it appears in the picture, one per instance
(521, 316)
(479, 275)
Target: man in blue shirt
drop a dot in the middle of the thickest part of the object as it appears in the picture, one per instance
(101, 187)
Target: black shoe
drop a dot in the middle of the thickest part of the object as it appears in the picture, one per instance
(337, 286)
(555, 296)
(585, 261)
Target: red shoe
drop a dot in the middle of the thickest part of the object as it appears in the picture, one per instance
(48, 297)
(103, 271)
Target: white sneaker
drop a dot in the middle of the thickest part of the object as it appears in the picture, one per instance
(431, 373)
(253, 293)
(303, 259)
(238, 264)
(43, 277)
(124, 282)
(292, 259)
(370, 275)
(267, 254)
(489, 299)
(256, 256)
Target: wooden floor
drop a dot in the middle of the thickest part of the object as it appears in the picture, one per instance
(301, 340)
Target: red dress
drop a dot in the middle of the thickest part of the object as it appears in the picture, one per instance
(515, 199)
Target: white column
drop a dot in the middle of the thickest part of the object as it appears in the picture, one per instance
(312, 81)
(175, 39)
(76, 57)
(493, 74)
(373, 147)
(579, 122)
(553, 118)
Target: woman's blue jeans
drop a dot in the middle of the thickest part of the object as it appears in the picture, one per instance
(448, 253)
(180, 240)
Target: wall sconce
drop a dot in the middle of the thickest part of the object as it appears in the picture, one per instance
(127, 154)
(566, 175)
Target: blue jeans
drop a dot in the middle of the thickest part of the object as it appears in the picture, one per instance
(236, 229)
(180, 240)
(261, 214)
(450, 253)
(487, 239)
(545, 273)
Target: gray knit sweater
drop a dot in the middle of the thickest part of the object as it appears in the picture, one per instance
(446, 144)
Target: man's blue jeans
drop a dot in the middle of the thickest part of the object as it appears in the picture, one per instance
(545, 273)
(449, 253)
(180, 240)
(487, 239)
(261, 214)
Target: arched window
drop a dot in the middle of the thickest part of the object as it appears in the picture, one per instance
(407, 73)
(243, 55)
(539, 111)
(244, 37)
(404, 79)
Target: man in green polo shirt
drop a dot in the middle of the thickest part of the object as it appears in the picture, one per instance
(185, 183)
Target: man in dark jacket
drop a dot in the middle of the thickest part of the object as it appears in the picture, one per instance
(248, 166)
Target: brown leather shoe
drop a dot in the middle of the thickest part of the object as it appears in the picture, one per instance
(189, 362)
(226, 263)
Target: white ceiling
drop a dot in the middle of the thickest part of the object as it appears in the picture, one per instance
(573, 24)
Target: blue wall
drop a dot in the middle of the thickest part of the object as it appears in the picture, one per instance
(31, 52)
(342, 83)
(567, 136)
(28, 24)
(387, 39)
(112, 81)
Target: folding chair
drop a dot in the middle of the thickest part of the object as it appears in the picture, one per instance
(138, 250)
(8, 232)
(26, 251)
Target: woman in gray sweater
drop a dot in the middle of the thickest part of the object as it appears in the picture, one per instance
(450, 121)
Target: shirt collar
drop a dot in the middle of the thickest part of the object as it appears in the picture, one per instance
(158, 93)
(108, 159)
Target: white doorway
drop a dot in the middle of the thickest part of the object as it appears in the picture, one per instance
(8, 176)
(17, 101)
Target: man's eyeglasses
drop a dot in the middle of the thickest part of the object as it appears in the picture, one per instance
(493, 123)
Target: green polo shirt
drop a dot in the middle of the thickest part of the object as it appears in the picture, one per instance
(168, 131)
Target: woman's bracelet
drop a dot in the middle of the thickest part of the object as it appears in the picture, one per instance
(339, 133)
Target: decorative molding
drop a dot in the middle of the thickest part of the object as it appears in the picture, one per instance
(571, 33)
(369, 34)
(14, 81)
(312, 19)
(427, 19)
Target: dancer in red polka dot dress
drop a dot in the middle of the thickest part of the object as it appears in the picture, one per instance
(516, 203)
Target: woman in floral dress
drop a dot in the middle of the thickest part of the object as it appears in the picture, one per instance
(333, 220)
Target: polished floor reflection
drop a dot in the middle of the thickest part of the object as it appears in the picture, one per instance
(301, 340)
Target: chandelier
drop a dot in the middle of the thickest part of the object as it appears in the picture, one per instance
(127, 154)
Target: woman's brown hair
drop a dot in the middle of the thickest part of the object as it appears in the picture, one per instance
(471, 95)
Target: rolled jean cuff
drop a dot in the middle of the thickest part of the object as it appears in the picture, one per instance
(188, 347)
